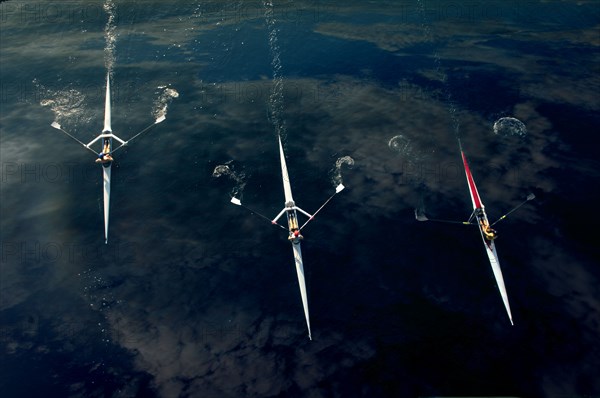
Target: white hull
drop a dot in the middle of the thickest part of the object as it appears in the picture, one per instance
(302, 283)
(106, 198)
(289, 206)
(287, 188)
(107, 120)
(490, 249)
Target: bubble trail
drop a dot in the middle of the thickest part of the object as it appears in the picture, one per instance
(336, 173)
(238, 177)
(276, 97)
(110, 36)
(452, 109)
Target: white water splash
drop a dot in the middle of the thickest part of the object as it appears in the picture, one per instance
(162, 102)
(276, 97)
(68, 104)
(110, 36)
(510, 127)
(238, 177)
(336, 173)
(405, 148)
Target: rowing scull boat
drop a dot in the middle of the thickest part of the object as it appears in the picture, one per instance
(487, 234)
(105, 155)
(294, 236)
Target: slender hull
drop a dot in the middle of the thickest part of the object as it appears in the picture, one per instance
(106, 171)
(490, 248)
(287, 188)
(293, 225)
(302, 282)
(106, 168)
(107, 117)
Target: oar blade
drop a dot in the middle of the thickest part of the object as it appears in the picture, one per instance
(160, 119)
(236, 201)
(56, 125)
(420, 216)
(339, 188)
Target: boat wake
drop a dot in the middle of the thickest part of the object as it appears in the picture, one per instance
(110, 36)
(239, 178)
(276, 96)
(336, 172)
(161, 104)
(439, 70)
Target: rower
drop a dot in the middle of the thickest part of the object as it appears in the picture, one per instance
(104, 156)
(295, 235)
(488, 232)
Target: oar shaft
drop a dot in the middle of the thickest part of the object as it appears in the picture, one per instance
(514, 209)
(318, 210)
(262, 216)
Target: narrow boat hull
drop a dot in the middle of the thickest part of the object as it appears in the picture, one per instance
(106, 171)
(302, 283)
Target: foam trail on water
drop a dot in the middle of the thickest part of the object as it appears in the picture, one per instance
(336, 173)
(238, 177)
(452, 109)
(110, 36)
(162, 102)
(68, 104)
(276, 96)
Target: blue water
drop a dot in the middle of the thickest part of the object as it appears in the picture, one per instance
(196, 297)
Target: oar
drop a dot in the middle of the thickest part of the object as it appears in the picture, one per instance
(157, 121)
(529, 197)
(59, 128)
(423, 217)
(338, 189)
(237, 202)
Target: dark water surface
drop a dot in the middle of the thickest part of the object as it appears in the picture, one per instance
(194, 297)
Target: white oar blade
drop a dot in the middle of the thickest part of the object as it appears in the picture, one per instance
(339, 188)
(236, 201)
(420, 216)
(56, 125)
(160, 119)
(530, 196)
